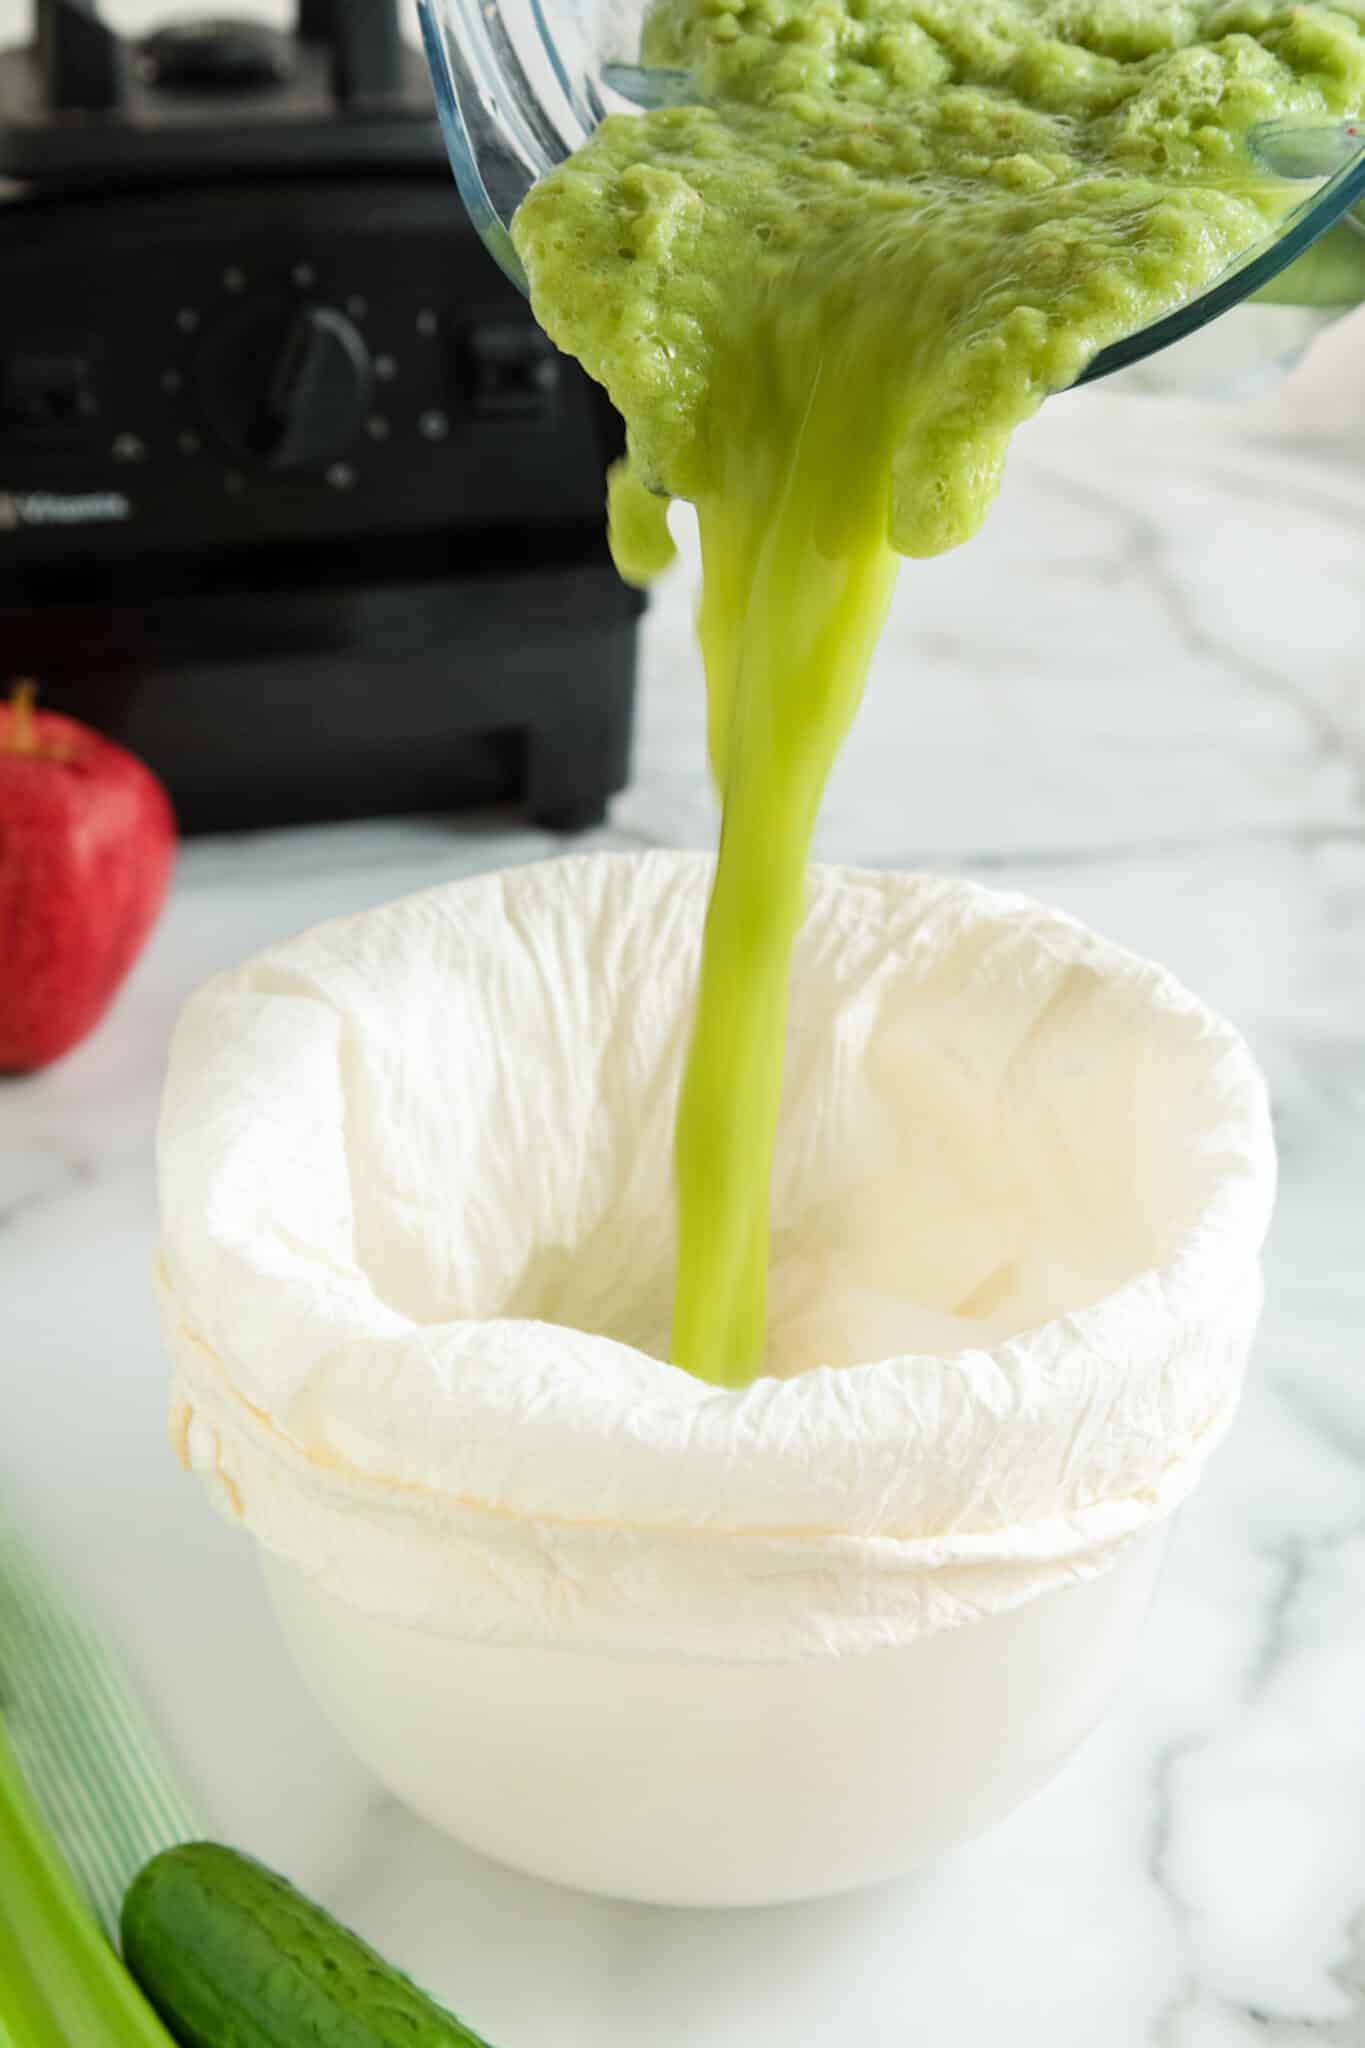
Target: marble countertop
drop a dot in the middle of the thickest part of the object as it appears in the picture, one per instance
(1140, 695)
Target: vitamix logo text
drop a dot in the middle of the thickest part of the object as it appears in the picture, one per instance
(62, 508)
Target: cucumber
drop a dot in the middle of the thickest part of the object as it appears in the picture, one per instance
(231, 1956)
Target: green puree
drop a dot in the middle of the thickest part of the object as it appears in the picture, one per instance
(823, 293)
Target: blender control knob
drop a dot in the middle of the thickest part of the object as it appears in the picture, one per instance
(283, 385)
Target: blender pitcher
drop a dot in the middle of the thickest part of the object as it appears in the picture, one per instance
(520, 84)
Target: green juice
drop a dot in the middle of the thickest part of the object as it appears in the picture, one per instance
(797, 574)
(823, 292)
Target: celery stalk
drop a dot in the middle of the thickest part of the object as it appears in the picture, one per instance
(61, 1985)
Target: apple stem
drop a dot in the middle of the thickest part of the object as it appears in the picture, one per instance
(24, 732)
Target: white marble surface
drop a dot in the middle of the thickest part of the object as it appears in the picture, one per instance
(1140, 694)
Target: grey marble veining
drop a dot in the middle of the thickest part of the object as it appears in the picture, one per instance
(1138, 695)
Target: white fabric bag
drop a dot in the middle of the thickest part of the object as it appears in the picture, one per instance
(416, 1261)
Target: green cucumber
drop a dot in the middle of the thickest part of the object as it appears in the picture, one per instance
(231, 1956)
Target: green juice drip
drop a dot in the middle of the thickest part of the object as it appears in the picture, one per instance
(798, 573)
(823, 294)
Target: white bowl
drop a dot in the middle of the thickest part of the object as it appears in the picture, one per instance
(688, 1783)
(626, 1630)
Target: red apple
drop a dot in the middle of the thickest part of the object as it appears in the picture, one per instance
(87, 840)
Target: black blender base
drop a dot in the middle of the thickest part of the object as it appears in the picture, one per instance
(348, 703)
(577, 816)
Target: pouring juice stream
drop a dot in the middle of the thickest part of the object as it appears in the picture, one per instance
(823, 295)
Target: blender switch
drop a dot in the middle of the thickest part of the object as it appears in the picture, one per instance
(48, 391)
(512, 373)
